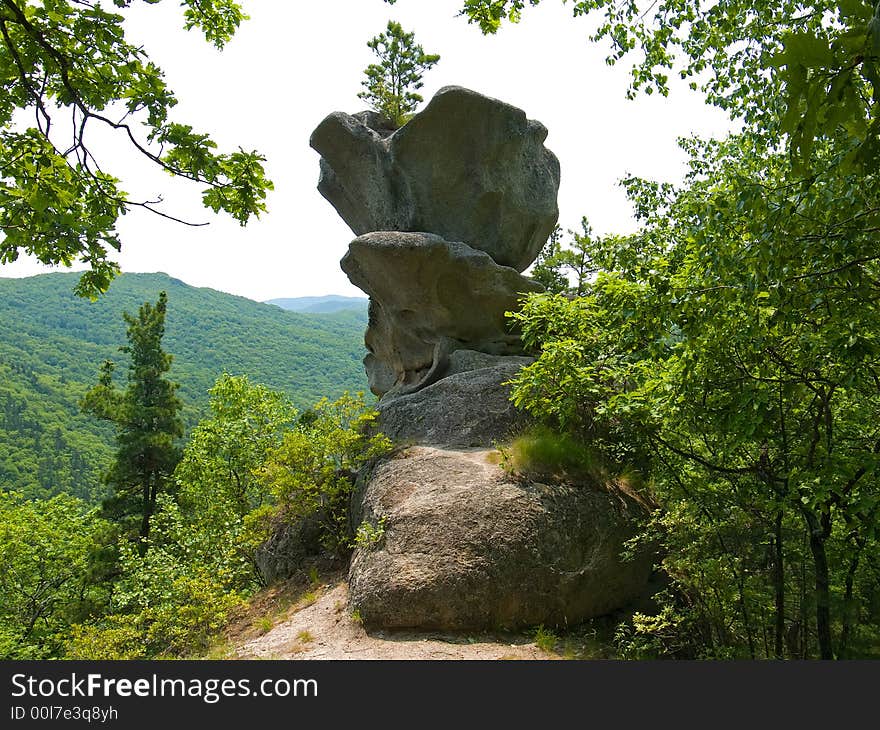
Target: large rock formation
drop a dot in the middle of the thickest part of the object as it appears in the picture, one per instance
(465, 546)
(467, 168)
(430, 297)
(448, 210)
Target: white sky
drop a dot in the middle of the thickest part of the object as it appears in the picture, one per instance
(294, 62)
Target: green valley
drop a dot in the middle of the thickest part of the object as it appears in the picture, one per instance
(54, 342)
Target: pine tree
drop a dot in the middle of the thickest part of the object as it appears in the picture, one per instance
(391, 84)
(148, 424)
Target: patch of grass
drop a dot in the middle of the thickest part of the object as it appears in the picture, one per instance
(221, 650)
(545, 639)
(308, 599)
(495, 457)
(544, 453)
(356, 617)
(314, 578)
(305, 637)
(263, 624)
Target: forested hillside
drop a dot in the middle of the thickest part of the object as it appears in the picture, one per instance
(53, 344)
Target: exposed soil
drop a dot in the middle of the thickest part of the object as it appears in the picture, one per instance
(319, 626)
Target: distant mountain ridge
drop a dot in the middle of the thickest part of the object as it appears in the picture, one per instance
(52, 344)
(321, 305)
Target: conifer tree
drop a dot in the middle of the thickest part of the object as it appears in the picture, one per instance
(148, 424)
(391, 84)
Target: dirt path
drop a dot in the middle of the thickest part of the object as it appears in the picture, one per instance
(326, 630)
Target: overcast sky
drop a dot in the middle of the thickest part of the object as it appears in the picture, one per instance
(293, 63)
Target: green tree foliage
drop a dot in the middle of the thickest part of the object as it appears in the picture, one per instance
(53, 342)
(311, 474)
(824, 55)
(391, 84)
(741, 356)
(252, 467)
(219, 486)
(169, 601)
(45, 584)
(744, 359)
(227, 449)
(566, 269)
(69, 65)
(147, 420)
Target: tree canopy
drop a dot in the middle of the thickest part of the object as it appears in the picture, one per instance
(45, 549)
(786, 67)
(68, 67)
(727, 349)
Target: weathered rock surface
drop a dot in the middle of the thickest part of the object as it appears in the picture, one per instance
(467, 547)
(464, 361)
(468, 168)
(428, 298)
(282, 555)
(469, 406)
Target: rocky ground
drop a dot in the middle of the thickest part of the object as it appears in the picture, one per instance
(321, 627)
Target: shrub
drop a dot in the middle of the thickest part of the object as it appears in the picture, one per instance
(311, 474)
(46, 551)
(369, 535)
(169, 602)
(545, 639)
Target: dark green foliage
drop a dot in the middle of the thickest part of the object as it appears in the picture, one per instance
(732, 344)
(250, 468)
(53, 343)
(146, 416)
(391, 84)
(743, 355)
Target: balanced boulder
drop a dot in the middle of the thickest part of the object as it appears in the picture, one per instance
(468, 168)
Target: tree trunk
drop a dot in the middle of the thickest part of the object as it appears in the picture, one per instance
(747, 623)
(848, 606)
(805, 624)
(151, 488)
(145, 513)
(823, 591)
(778, 588)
